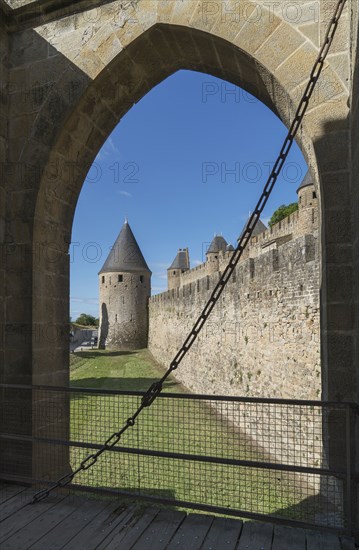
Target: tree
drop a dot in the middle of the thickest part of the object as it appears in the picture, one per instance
(87, 320)
(282, 212)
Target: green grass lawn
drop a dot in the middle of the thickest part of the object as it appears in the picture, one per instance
(129, 370)
(172, 425)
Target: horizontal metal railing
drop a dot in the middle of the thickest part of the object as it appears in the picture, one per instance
(290, 461)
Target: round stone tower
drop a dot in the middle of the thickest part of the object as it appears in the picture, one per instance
(125, 287)
(307, 205)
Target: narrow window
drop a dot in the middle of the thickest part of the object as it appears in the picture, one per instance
(174, 273)
(314, 195)
(116, 318)
(103, 279)
(141, 278)
(120, 278)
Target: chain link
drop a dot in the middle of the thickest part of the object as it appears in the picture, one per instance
(156, 388)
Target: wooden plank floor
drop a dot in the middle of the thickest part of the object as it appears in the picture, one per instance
(80, 523)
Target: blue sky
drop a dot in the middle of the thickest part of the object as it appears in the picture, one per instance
(186, 162)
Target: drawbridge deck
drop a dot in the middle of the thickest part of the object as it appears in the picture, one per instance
(77, 522)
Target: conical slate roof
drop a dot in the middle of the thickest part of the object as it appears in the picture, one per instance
(125, 254)
(308, 180)
(181, 261)
(259, 228)
(218, 243)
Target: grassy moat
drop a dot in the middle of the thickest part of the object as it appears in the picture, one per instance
(171, 425)
(117, 370)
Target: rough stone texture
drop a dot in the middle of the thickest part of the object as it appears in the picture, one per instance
(350, 319)
(3, 154)
(71, 80)
(263, 337)
(301, 222)
(124, 309)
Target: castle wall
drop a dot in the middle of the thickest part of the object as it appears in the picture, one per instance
(3, 158)
(263, 337)
(124, 310)
(303, 221)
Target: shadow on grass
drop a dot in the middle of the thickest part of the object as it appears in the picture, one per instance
(93, 354)
(123, 384)
(315, 509)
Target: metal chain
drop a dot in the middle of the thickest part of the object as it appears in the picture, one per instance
(156, 388)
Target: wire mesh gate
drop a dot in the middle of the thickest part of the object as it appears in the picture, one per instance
(192, 451)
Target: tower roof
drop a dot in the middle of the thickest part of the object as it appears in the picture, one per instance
(181, 260)
(259, 228)
(307, 180)
(125, 254)
(218, 244)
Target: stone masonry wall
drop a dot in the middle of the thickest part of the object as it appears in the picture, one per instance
(3, 156)
(303, 221)
(124, 310)
(349, 317)
(262, 339)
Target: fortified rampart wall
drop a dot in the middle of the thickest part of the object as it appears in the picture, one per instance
(301, 222)
(262, 339)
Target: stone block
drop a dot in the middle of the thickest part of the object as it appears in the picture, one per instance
(281, 44)
(332, 150)
(339, 283)
(340, 64)
(254, 36)
(338, 226)
(164, 11)
(97, 138)
(89, 63)
(311, 31)
(27, 47)
(296, 68)
(340, 317)
(182, 12)
(336, 253)
(334, 113)
(20, 231)
(341, 386)
(21, 127)
(336, 191)
(342, 36)
(145, 13)
(129, 32)
(35, 153)
(109, 49)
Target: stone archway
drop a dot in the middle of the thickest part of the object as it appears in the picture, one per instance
(149, 59)
(85, 71)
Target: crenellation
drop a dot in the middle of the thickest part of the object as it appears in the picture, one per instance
(303, 221)
(267, 319)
